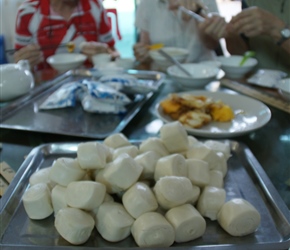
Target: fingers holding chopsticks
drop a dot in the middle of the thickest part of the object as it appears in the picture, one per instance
(214, 26)
(31, 52)
(141, 52)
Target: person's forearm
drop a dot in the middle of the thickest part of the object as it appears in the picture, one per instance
(236, 45)
(209, 42)
(286, 46)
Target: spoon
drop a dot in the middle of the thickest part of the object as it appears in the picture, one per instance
(246, 56)
(177, 63)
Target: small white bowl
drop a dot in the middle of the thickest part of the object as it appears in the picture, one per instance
(66, 61)
(202, 74)
(284, 88)
(163, 63)
(101, 60)
(125, 63)
(230, 65)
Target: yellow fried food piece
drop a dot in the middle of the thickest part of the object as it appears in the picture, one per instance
(221, 112)
(169, 106)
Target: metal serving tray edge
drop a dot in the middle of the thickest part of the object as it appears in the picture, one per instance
(245, 178)
(24, 114)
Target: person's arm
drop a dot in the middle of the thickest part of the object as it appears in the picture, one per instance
(26, 50)
(105, 32)
(252, 22)
(140, 49)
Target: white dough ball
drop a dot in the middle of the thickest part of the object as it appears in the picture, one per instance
(139, 199)
(148, 161)
(74, 225)
(85, 195)
(204, 153)
(210, 202)
(116, 140)
(238, 217)
(153, 144)
(58, 198)
(172, 191)
(37, 201)
(65, 170)
(131, 150)
(123, 172)
(216, 179)
(171, 165)
(187, 223)
(198, 172)
(42, 176)
(92, 155)
(174, 137)
(219, 147)
(152, 230)
(113, 221)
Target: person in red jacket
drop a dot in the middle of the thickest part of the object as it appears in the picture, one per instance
(43, 23)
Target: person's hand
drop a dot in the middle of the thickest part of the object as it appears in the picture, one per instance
(31, 52)
(93, 48)
(254, 22)
(141, 52)
(214, 26)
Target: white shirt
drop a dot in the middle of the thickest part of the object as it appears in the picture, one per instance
(165, 26)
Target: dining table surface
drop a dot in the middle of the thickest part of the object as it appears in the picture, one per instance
(269, 144)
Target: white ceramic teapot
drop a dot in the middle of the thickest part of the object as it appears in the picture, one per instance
(15, 80)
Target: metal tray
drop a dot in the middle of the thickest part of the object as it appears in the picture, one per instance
(245, 178)
(24, 114)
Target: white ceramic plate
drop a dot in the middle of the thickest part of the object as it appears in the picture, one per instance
(266, 78)
(250, 115)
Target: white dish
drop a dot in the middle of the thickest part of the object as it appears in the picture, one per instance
(250, 115)
(267, 78)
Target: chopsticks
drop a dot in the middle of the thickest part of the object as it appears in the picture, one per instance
(197, 17)
(51, 46)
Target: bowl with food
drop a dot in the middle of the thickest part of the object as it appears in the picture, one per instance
(231, 65)
(163, 63)
(201, 75)
(66, 61)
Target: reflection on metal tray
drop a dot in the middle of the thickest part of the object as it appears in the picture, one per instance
(23, 114)
(245, 179)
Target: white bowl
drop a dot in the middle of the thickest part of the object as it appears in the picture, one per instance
(230, 65)
(163, 63)
(125, 63)
(202, 74)
(284, 88)
(215, 63)
(65, 61)
(101, 60)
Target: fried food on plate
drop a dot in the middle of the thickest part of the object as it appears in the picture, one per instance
(196, 111)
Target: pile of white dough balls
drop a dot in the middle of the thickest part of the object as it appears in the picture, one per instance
(159, 191)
